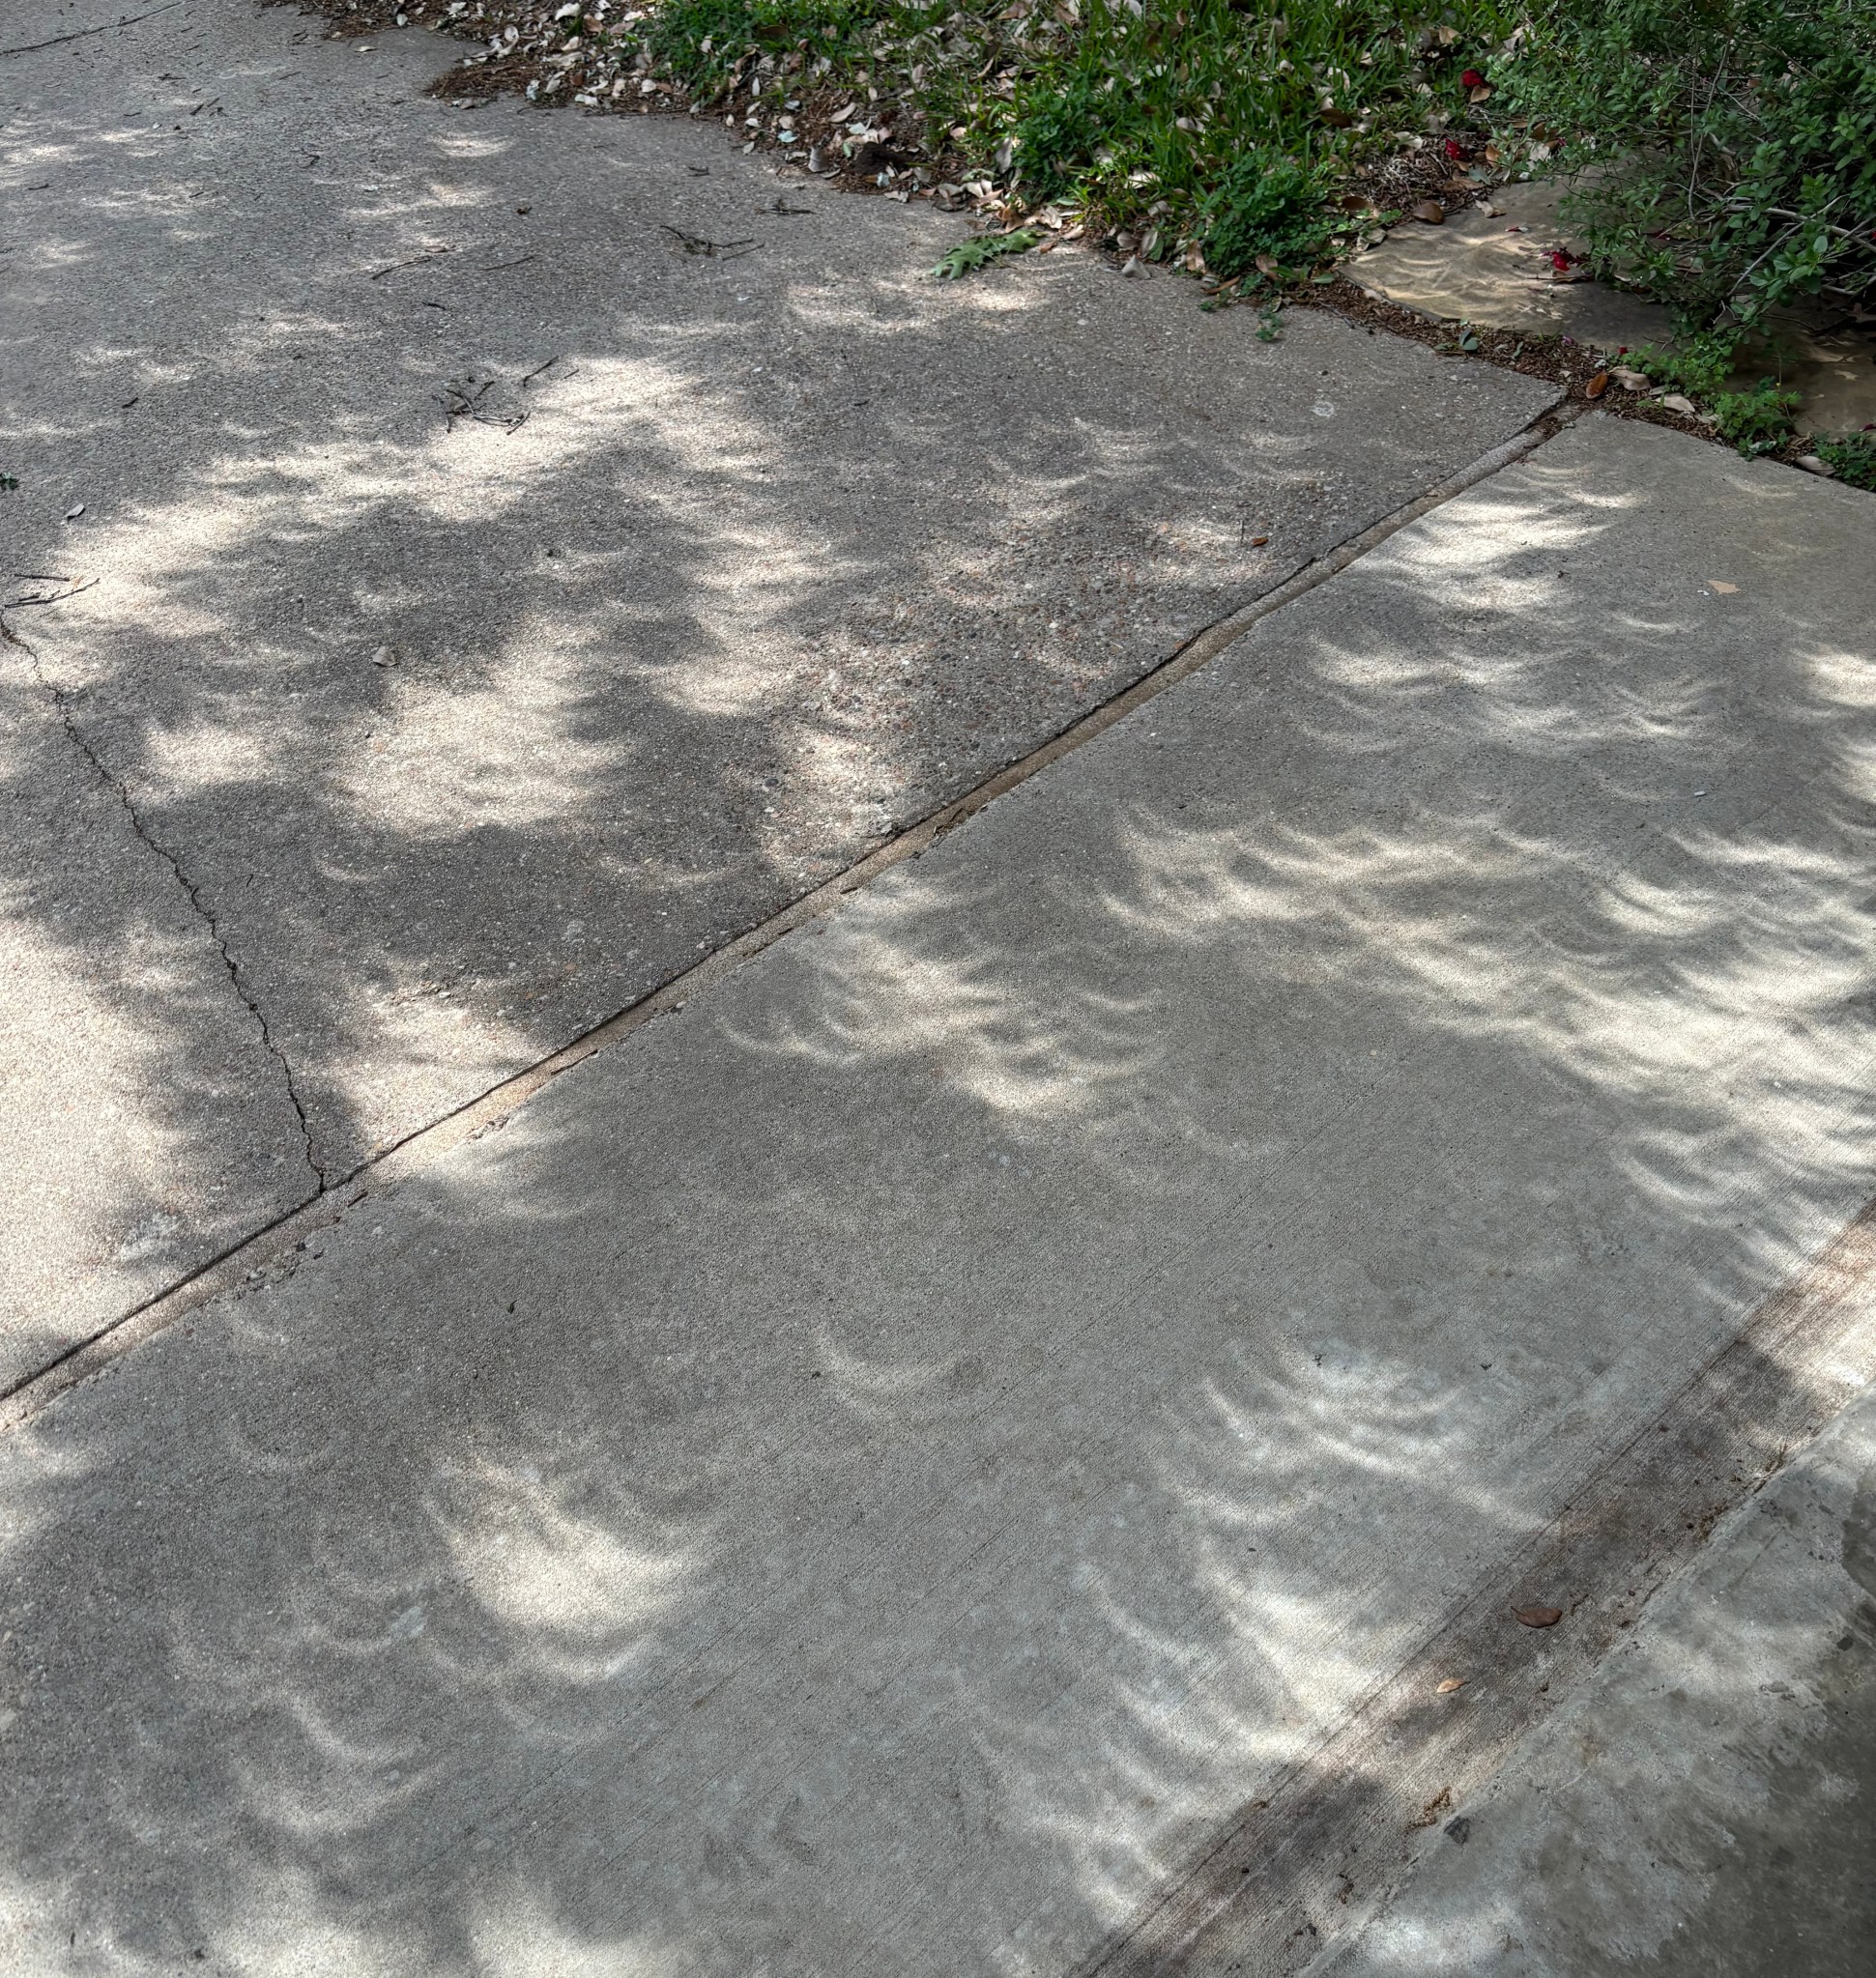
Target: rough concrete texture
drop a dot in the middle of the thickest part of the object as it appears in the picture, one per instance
(794, 543)
(109, 993)
(864, 1475)
(1707, 1808)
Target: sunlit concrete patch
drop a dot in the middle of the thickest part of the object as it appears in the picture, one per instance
(870, 1472)
(518, 1935)
(473, 562)
(537, 1564)
(1489, 264)
(143, 1125)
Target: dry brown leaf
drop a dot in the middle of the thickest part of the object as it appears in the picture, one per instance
(1430, 211)
(1597, 386)
(1724, 589)
(1538, 1617)
(1451, 1683)
(1257, 541)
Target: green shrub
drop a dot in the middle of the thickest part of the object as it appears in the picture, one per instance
(1731, 144)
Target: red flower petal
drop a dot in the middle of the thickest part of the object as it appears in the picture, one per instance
(1472, 80)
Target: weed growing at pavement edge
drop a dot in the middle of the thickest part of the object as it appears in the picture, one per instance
(1853, 457)
(1723, 152)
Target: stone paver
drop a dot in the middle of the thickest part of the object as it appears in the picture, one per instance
(1489, 264)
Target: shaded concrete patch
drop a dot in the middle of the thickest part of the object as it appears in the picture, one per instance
(1305, 1864)
(1707, 1807)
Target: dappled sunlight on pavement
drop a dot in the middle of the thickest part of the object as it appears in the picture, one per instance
(875, 1472)
(497, 607)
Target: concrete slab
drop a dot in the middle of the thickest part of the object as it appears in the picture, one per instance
(794, 543)
(1489, 264)
(144, 1124)
(868, 1474)
(1706, 1808)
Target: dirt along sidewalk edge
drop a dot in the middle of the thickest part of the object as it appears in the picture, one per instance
(492, 1109)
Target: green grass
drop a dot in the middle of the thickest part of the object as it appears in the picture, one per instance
(1733, 141)
(1206, 122)
(1699, 364)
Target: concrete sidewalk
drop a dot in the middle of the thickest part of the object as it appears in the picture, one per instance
(792, 545)
(874, 1474)
(1707, 1807)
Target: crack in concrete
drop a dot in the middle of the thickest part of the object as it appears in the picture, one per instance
(493, 1107)
(61, 703)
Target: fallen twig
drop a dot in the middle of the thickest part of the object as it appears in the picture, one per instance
(415, 261)
(73, 588)
(458, 403)
(455, 401)
(695, 243)
(103, 28)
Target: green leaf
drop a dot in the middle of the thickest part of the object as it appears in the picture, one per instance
(980, 250)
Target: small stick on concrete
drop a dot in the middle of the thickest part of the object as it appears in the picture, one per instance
(128, 20)
(695, 243)
(415, 261)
